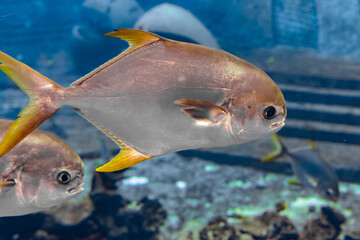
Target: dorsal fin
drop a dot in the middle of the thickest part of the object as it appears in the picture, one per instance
(135, 38)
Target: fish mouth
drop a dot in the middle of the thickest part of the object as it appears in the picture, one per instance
(278, 125)
(75, 190)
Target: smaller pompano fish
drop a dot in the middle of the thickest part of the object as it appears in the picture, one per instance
(38, 173)
(309, 167)
(158, 96)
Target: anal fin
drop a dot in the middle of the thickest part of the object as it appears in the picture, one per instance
(127, 157)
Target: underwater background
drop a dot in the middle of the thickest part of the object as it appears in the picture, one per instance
(310, 48)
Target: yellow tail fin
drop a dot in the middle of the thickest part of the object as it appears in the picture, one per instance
(41, 92)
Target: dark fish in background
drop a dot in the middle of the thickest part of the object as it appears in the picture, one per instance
(309, 167)
(157, 97)
(38, 173)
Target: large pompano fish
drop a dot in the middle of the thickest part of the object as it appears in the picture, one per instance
(38, 173)
(158, 96)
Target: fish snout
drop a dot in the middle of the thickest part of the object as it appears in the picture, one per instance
(76, 183)
(276, 126)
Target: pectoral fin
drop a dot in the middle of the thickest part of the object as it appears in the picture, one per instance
(202, 111)
(6, 183)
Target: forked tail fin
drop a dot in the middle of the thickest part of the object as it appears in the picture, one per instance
(41, 91)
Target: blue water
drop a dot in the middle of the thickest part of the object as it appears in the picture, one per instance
(310, 48)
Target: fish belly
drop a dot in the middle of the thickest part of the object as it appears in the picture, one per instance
(10, 204)
(152, 123)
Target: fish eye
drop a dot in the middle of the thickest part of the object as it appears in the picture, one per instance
(329, 192)
(63, 177)
(269, 112)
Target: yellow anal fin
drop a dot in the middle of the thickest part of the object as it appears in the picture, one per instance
(127, 157)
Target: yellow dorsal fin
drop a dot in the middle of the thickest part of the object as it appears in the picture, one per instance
(135, 38)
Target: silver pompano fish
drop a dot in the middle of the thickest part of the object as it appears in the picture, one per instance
(310, 168)
(38, 173)
(159, 96)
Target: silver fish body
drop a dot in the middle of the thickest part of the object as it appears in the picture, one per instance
(157, 97)
(142, 99)
(38, 173)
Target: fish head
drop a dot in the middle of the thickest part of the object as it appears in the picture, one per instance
(328, 189)
(50, 177)
(258, 106)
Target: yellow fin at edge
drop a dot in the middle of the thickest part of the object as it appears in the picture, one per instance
(29, 119)
(34, 84)
(135, 38)
(294, 182)
(278, 152)
(312, 144)
(127, 157)
(6, 183)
